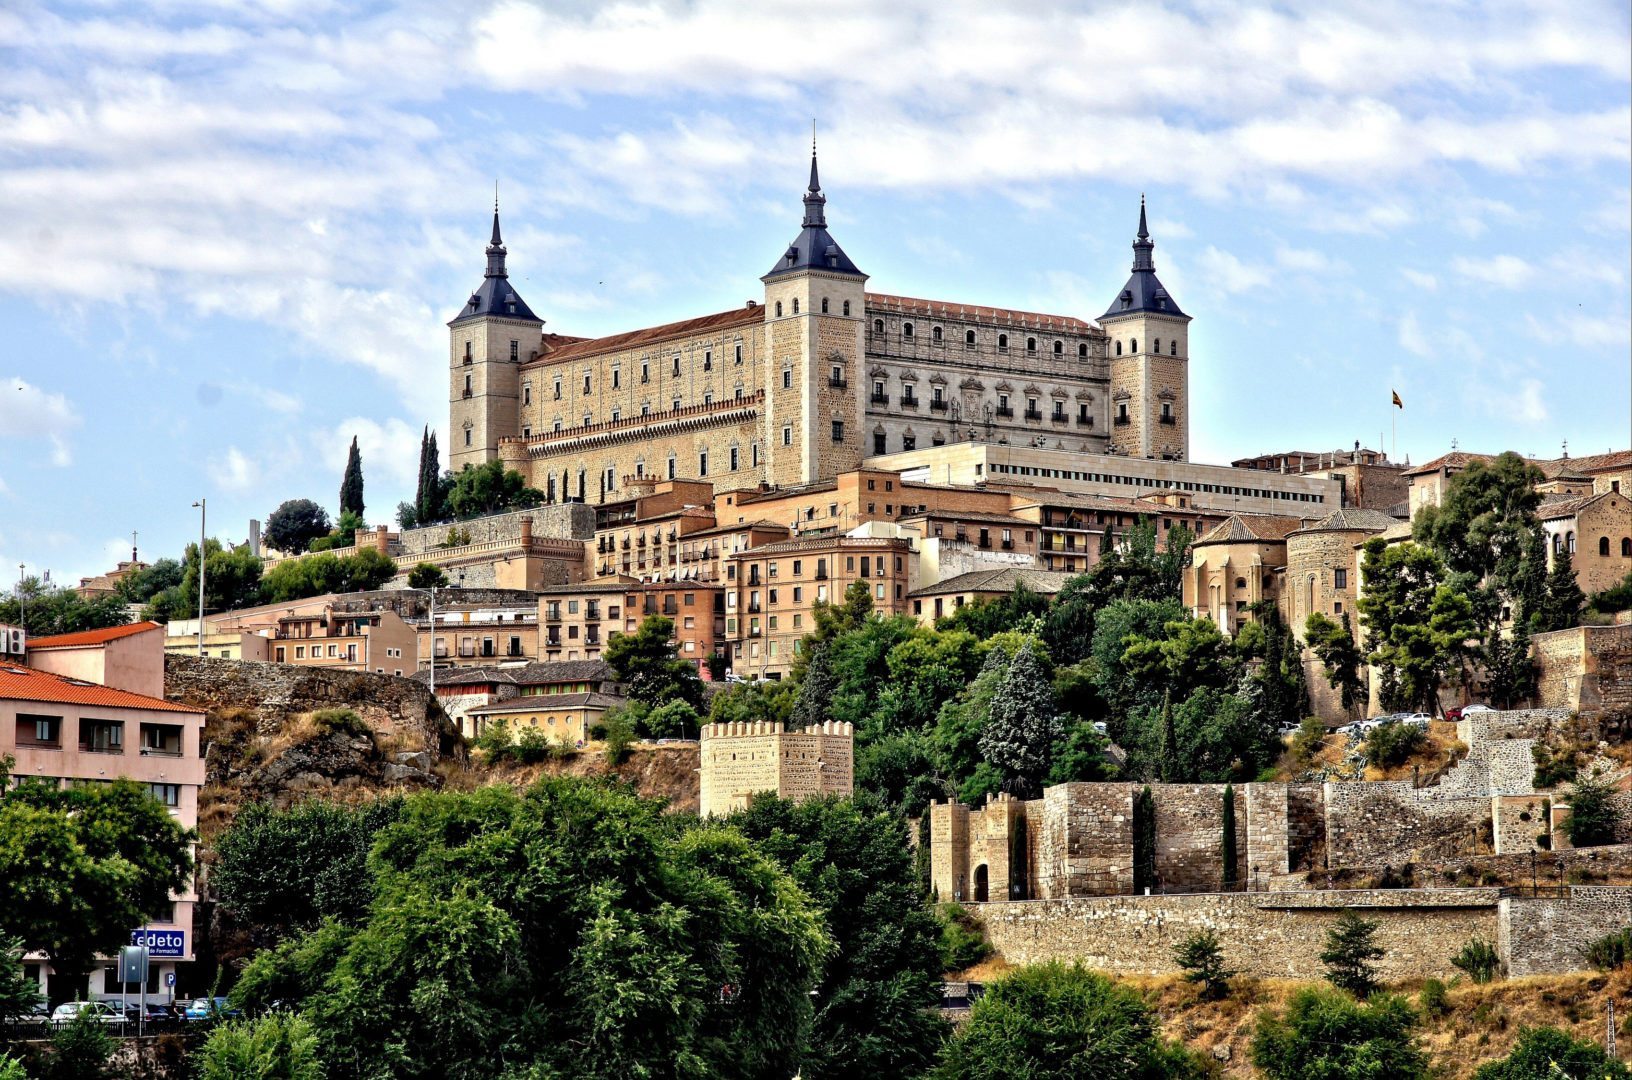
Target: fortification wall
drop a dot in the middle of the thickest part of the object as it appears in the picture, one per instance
(1610, 865)
(1388, 822)
(562, 521)
(1545, 936)
(740, 759)
(1190, 835)
(1277, 935)
(275, 692)
(1083, 842)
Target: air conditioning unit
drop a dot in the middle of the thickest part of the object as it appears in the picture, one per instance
(13, 641)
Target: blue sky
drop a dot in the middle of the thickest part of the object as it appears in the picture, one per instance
(231, 231)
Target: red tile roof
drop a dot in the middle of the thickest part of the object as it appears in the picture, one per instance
(26, 684)
(91, 637)
(909, 305)
(723, 320)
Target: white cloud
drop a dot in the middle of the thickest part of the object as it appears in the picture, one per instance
(1424, 281)
(1228, 275)
(30, 413)
(390, 453)
(1304, 259)
(1502, 271)
(1410, 335)
(1579, 328)
(233, 471)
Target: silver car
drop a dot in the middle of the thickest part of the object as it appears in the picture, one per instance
(101, 1011)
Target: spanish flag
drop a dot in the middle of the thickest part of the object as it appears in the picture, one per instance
(1397, 402)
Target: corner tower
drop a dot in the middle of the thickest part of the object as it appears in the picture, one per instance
(488, 341)
(1149, 344)
(815, 301)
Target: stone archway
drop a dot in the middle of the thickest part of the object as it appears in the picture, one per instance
(980, 884)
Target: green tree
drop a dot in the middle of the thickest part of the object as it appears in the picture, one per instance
(1510, 671)
(568, 930)
(18, 993)
(875, 999)
(766, 699)
(140, 587)
(427, 576)
(673, 720)
(1201, 957)
(1230, 854)
(1186, 655)
(1079, 755)
(900, 768)
(11, 1068)
(1024, 724)
(815, 690)
(44, 610)
(1561, 608)
(924, 670)
(277, 1046)
(80, 1050)
(955, 740)
(1350, 954)
(1051, 1021)
(293, 526)
(232, 580)
(351, 484)
(1398, 607)
(1334, 646)
(479, 490)
(1325, 1035)
(987, 617)
(1593, 814)
(1116, 626)
(1617, 597)
(832, 620)
(288, 870)
(314, 575)
(431, 492)
(1550, 1054)
(1480, 524)
(80, 866)
(648, 666)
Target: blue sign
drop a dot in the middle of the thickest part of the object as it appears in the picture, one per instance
(169, 978)
(171, 943)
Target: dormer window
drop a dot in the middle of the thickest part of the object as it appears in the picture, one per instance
(1126, 298)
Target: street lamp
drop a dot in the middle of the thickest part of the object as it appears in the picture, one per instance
(22, 598)
(200, 505)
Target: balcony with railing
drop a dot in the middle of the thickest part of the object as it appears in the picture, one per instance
(1171, 421)
(101, 737)
(1034, 414)
(909, 402)
(1085, 421)
(938, 404)
(1004, 412)
(161, 740)
(1123, 421)
(837, 383)
(879, 399)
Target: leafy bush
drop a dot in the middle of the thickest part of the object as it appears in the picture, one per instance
(1201, 957)
(495, 741)
(80, 1050)
(619, 732)
(1393, 744)
(1610, 951)
(675, 719)
(963, 939)
(341, 722)
(1593, 815)
(1553, 766)
(1349, 954)
(1330, 1036)
(427, 576)
(11, 1068)
(281, 1045)
(1432, 997)
(1306, 743)
(1478, 958)
(1548, 1053)
(1052, 1021)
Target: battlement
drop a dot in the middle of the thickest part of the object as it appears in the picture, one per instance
(742, 758)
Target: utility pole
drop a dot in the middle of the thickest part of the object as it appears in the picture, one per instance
(22, 599)
(1609, 1041)
(201, 510)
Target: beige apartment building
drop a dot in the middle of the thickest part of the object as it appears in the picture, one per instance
(379, 642)
(804, 383)
(945, 597)
(60, 726)
(475, 635)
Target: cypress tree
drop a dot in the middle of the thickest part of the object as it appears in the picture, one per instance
(435, 496)
(1564, 602)
(420, 491)
(1229, 838)
(351, 485)
(1144, 840)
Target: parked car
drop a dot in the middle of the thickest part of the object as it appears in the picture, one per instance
(1417, 719)
(216, 1008)
(101, 1011)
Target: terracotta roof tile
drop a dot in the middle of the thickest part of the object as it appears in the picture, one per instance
(91, 637)
(723, 320)
(27, 684)
(1245, 528)
(909, 305)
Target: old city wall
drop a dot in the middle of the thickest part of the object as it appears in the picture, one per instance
(561, 521)
(1544, 936)
(1280, 935)
(277, 692)
(1556, 869)
(1190, 835)
(1378, 822)
(1263, 934)
(1081, 840)
(740, 759)
(1588, 668)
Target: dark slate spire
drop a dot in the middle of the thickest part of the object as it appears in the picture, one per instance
(496, 296)
(814, 248)
(1143, 292)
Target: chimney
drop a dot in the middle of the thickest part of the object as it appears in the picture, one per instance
(527, 531)
(254, 540)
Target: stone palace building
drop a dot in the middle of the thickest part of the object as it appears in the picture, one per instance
(810, 382)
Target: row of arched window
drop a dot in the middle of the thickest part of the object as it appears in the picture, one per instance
(1565, 542)
(936, 337)
(844, 308)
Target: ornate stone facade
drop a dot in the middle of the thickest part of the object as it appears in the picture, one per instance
(804, 385)
(741, 759)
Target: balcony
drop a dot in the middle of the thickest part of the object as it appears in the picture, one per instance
(552, 613)
(1004, 412)
(938, 406)
(467, 393)
(1008, 545)
(1034, 414)
(469, 360)
(553, 641)
(1059, 418)
(821, 575)
(1085, 421)
(592, 613)
(909, 402)
(625, 544)
(1171, 421)
(101, 737)
(838, 384)
(1122, 421)
(880, 399)
(754, 608)
(161, 740)
(591, 638)
(753, 631)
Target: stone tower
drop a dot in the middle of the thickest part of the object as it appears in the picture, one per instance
(814, 314)
(1150, 356)
(488, 341)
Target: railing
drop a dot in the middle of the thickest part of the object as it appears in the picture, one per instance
(939, 406)
(467, 393)
(1005, 412)
(160, 751)
(880, 399)
(1123, 421)
(1172, 421)
(838, 384)
(1034, 414)
(1008, 545)
(1059, 418)
(909, 402)
(1085, 421)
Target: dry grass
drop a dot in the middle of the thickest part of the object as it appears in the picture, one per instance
(993, 967)
(1480, 1023)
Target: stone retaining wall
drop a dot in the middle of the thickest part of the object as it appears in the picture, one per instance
(276, 692)
(1545, 936)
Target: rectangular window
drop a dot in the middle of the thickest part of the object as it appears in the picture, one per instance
(586, 384)
(787, 378)
(708, 359)
(515, 351)
(617, 378)
(838, 431)
(739, 352)
(702, 463)
(733, 459)
(787, 436)
(1340, 579)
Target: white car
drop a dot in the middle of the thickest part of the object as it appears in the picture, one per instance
(101, 1011)
(1466, 709)
(1416, 719)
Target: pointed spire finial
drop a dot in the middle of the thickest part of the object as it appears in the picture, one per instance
(1143, 245)
(496, 241)
(815, 184)
(1144, 233)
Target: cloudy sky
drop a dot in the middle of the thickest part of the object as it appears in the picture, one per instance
(231, 231)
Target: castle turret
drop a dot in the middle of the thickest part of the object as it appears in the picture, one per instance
(489, 340)
(814, 307)
(1150, 354)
